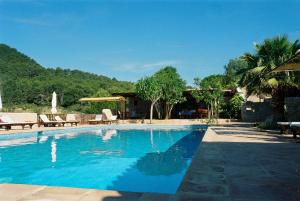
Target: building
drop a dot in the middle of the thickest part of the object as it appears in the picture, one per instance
(136, 108)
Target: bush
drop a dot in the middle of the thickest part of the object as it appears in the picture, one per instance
(269, 123)
(235, 106)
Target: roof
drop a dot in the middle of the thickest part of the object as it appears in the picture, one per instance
(125, 94)
(292, 64)
(103, 99)
(288, 67)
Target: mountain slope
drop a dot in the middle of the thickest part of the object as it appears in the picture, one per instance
(24, 81)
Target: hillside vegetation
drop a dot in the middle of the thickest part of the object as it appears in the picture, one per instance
(25, 82)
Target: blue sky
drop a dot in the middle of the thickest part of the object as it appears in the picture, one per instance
(131, 39)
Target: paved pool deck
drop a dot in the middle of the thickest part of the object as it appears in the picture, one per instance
(243, 164)
(233, 163)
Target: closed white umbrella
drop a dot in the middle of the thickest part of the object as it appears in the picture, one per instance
(54, 103)
(0, 102)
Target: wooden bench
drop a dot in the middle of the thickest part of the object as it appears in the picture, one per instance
(7, 126)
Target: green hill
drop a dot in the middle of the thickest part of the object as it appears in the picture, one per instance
(24, 81)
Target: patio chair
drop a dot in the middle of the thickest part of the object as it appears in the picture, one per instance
(6, 122)
(107, 116)
(97, 120)
(70, 121)
(47, 123)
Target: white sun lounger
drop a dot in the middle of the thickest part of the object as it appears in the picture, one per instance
(107, 116)
(72, 122)
(47, 123)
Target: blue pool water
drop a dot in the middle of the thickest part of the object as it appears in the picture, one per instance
(124, 158)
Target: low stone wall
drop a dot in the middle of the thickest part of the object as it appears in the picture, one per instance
(260, 111)
(176, 121)
(84, 118)
(256, 111)
(21, 117)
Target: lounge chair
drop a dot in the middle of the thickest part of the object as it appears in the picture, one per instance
(72, 121)
(47, 123)
(97, 120)
(6, 122)
(295, 127)
(72, 118)
(107, 116)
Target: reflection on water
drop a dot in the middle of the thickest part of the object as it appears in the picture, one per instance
(16, 142)
(103, 152)
(53, 151)
(108, 134)
(161, 169)
(165, 163)
(171, 161)
(105, 135)
(151, 138)
(42, 139)
(66, 135)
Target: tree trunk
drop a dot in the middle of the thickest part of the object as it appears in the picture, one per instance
(217, 108)
(168, 110)
(158, 111)
(212, 110)
(208, 111)
(151, 109)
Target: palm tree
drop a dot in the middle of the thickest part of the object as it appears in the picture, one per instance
(258, 77)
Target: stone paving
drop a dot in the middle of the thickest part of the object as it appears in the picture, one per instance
(231, 164)
(19, 192)
(243, 164)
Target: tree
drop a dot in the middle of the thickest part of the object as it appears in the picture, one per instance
(172, 86)
(209, 90)
(235, 105)
(258, 77)
(232, 69)
(149, 89)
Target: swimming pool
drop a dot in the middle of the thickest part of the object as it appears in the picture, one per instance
(115, 157)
